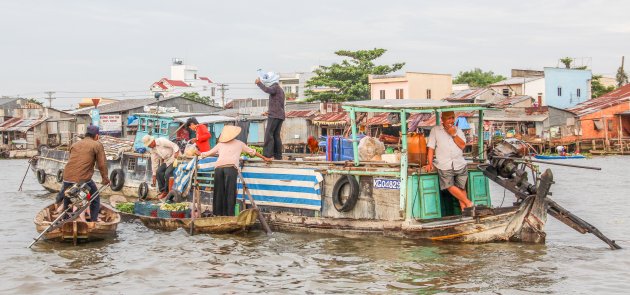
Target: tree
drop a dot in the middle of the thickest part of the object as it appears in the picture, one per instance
(597, 88)
(348, 80)
(194, 96)
(35, 101)
(622, 77)
(567, 62)
(477, 78)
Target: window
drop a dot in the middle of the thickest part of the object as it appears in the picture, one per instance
(382, 94)
(297, 90)
(399, 94)
(559, 91)
(506, 92)
(428, 93)
(579, 92)
(131, 164)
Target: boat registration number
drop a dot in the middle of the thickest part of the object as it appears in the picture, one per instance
(387, 183)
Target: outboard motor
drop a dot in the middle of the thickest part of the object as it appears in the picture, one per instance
(502, 158)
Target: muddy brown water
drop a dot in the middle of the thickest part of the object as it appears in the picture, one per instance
(144, 261)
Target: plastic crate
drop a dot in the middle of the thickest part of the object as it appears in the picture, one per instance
(173, 214)
(145, 209)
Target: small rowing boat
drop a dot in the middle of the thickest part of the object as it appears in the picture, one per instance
(558, 157)
(78, 230)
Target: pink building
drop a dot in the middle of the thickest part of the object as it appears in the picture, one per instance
(411, 85)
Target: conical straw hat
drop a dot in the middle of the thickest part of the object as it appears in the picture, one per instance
(229, 132)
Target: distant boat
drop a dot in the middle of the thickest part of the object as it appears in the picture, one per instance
(553, 157)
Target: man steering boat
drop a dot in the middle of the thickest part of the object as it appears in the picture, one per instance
(83, 155)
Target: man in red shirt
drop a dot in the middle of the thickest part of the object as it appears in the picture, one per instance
(202, 140)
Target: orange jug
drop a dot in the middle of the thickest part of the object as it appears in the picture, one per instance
(417, 148)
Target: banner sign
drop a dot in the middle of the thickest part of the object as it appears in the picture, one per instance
(386, 183)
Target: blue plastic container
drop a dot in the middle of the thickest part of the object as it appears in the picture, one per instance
(339, 148)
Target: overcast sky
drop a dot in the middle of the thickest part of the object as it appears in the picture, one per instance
(81, 48)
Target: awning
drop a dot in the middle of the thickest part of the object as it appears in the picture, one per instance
(462, 123)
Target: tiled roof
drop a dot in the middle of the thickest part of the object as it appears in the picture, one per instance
(177, 83)
(615, 97)
(205, 78)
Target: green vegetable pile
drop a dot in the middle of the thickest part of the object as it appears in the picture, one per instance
(258, 149)
(174, 206)
(125, 207)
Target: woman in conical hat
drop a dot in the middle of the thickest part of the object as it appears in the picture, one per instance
(229, 150)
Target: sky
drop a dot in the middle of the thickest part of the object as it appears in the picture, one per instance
(119, 48)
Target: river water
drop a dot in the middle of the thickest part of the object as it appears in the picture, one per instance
(143, 261)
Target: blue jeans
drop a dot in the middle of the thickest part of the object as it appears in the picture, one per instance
(95, 206)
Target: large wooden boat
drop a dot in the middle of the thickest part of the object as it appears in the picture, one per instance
(77, 230)
(130, 170)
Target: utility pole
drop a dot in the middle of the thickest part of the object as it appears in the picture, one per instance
(222, 88)
(50, 98)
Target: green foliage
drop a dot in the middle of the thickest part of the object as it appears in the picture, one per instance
(597, 89)
(258, 149)
(194, 96)
(125, 207)
(35, 101)
(567, 62)
(348, 80)
(477, 78)
(622, 77)
(174, 206)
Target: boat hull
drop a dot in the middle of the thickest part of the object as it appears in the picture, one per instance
(205, 225)
(77, 230)
(550, 157)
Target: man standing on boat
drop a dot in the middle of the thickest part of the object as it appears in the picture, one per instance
(447, 141)
(202, 135)
(80, 168)
(273, 143)
(163, 155)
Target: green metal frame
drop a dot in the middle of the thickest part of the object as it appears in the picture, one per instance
(403, 128)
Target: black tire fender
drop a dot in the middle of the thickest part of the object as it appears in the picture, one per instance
(174, 197)
(143, 190)
(117, 177)
(60, 176)
(348, 204)
(41, 176)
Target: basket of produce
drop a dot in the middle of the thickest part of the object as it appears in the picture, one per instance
(125, 207)
(175, 210)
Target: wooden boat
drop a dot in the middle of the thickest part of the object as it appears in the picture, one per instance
(204, 225)
(558, 157)
(355, 198)
(130, 171)
(77, 230)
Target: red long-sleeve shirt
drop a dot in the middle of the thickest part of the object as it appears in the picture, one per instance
(203, 138)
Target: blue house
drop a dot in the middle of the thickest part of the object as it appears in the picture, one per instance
(567, 87)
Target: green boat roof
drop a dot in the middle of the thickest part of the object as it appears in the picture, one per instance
(412, 105)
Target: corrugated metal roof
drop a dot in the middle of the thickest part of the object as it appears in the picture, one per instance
(510, 101)
(613, 98)
(415, 104)
(340, 118)
(466, 94)
(516, 81)
(424, 119)
(21, 125)
(516, 115)
(302, 114)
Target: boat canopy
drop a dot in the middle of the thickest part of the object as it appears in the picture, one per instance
(207, 119)
(413, 106)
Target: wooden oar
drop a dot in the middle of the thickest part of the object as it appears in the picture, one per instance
(261, 218)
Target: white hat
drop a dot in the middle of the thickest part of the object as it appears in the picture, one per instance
(147, 140)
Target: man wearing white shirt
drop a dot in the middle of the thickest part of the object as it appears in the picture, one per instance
(447, 142)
